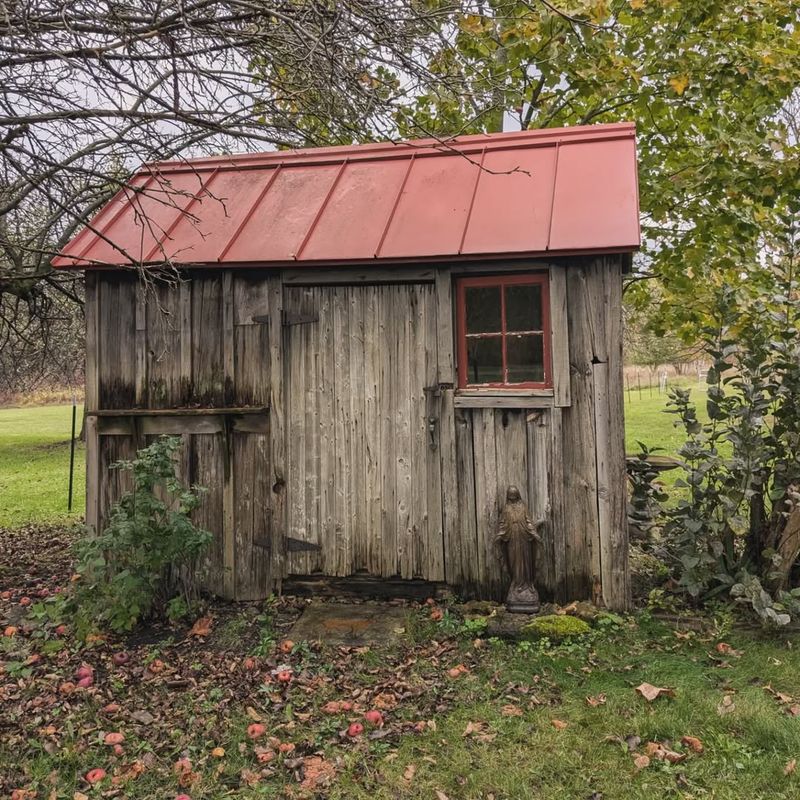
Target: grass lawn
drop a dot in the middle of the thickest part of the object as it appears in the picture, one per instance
(34, 465)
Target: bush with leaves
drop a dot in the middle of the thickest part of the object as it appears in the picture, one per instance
(738, 530)
(145, 562)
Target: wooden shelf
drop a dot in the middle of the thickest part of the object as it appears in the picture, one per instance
(176, 412)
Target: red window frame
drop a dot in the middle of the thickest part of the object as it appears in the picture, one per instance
(501, 281)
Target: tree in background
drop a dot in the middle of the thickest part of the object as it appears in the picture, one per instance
(90, 90)
(706, 82)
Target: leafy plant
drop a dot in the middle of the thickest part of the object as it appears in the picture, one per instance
(737, 531)
(146, 560)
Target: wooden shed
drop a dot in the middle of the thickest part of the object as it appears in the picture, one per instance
(366, 346)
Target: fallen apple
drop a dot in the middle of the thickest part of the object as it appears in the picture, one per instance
(286, 646)
(119, 750)
(182, 797)
(286, 747)
(66, 688)
(249, 664)
(84, 671)
(86, 682)
(24, 601)
(111, 708)
(121, 658)
(61, 630)
(284, 676)
(6, 595)
(10, 631)
(374, 717)
(95, 775)
(256, 730)
(114, 738)
(355, 729)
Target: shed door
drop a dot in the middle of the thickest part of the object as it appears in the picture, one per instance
(364, 479)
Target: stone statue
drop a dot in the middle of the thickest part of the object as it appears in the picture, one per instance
(515, 539)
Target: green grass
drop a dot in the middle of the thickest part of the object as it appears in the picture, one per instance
(646, 418)
(34, 465)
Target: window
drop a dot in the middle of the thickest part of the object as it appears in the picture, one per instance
(504, 332)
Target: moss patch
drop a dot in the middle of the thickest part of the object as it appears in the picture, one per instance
(556, 627)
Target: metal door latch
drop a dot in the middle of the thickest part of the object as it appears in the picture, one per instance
(432, 432)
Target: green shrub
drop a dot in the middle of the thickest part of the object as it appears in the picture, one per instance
(145, 561)
(556, 627)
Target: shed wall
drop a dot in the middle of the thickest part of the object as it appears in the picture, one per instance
(288, 461)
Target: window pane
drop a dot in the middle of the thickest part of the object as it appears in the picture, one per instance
(525, 356)
(483, 309)
(485, 360)
(524, 307)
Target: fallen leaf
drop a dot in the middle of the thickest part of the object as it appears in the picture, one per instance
(559, 724)
(693, 743)
(790, 767)
(725, 649)
(202, 627)
(641, 762)
(385, 701)
(727, 706)
(317, 773)
(253, 714)
(650, 692)
(597, 700)
(793, 710)
(144, 717)
(409, 773)
(440, 795)
(511, 710)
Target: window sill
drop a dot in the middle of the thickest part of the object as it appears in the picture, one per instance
(504, 398)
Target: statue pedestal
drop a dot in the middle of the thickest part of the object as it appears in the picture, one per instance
(522, 599)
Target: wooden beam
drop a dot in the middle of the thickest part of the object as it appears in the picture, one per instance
(176, 412)
(559, 336)
(467, 400)
(334, 275)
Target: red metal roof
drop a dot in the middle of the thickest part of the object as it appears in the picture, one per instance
(544, 192)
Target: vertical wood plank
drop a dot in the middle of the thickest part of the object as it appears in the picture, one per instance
(311, 404)
(92, 298)
(277, 435)
(327, 440)
(559, 335)
(579, 445)
(189, 335)
(389, 346)
(141, 343)
(341, 380)
(211, 362)
(467, 499)
(444, 326)
(434, 568)
(356, 445)
(538, 460)
(402, 314)
(488, 496)
(372, 429)
(230, 563)
(558, 501)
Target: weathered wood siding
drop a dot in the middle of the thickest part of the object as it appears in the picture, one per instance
(188, 344)
(334, 471)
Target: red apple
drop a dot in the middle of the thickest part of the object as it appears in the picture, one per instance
(95, 775)
(355, 729)
(24, 601)
(256, 730)
(84, 671)
(285, 675)
(61, 630)
(114, 738)
(121, 658)
(86, 682)
(374, 717)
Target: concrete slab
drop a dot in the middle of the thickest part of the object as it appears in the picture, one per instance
(351, 624)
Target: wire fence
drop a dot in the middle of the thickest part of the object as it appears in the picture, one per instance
(641, 384)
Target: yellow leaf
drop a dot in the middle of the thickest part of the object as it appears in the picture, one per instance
(679, 83)
(637, 4)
